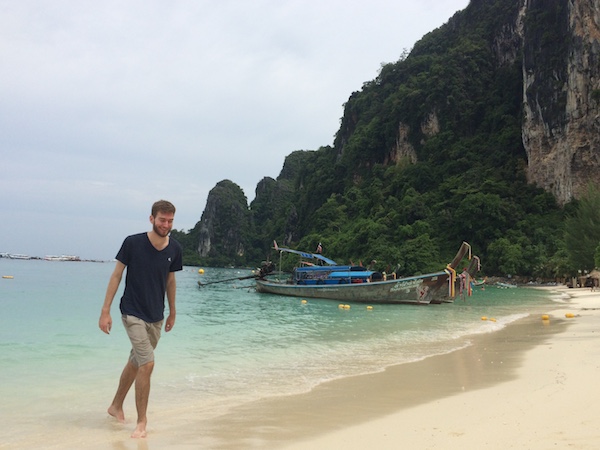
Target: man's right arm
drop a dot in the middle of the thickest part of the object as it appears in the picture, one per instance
(105, 321)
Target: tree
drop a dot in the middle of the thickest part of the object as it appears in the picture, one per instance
(505, 257)
(582, 230)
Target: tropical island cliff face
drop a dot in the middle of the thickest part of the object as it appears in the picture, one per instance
(486, 131)
(561, 94)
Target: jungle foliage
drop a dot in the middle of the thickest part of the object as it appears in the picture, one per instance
(582, 231)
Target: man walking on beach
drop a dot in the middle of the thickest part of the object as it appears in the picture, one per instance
(151, 259)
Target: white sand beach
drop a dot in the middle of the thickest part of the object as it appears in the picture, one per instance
(551, 402)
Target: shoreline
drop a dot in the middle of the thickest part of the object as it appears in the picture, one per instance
(524, 386)
(324, 417)
(544, 396)
(528, 385)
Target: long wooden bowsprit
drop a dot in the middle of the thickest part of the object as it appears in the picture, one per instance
(228, 279)
(265, 270)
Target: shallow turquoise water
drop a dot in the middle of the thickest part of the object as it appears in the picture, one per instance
(229, 345)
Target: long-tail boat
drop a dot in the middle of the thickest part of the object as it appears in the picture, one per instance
(349, 283)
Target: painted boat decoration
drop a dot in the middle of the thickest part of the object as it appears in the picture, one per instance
(329, 280)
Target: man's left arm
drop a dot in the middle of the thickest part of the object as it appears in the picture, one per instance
(171, 290)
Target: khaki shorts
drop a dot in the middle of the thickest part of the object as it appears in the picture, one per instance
(144, 338)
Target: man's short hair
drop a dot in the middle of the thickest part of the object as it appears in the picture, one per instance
(162, 206)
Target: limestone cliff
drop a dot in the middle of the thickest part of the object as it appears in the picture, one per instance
(274, 211)
(224, 225)
(468, 129)
(561, 94)
(556, 44)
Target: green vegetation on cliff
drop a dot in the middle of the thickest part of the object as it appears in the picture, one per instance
(428, 154)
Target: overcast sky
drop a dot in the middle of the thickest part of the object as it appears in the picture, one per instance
(107, 106)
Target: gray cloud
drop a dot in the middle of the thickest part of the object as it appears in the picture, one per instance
(108, 106)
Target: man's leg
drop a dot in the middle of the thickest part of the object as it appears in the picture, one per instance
(128, 376)
(144, 338)
(142, 393)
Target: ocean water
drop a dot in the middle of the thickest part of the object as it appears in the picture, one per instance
(230, 345)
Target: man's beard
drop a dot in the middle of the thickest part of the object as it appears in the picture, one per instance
(159, 231)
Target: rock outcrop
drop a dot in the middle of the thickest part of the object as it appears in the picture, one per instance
(224, 225)
(561, 94)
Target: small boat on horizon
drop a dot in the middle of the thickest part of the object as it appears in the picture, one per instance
(62, 258)
(328, 280)
(18, 256)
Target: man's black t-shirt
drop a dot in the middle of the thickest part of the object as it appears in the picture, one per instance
(146, 279)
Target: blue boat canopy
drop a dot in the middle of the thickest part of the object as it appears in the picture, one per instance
(307, 255)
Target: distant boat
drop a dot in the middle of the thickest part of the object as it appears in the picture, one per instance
(62, 258)
(18, 256)
(505, 285)
(329, 280)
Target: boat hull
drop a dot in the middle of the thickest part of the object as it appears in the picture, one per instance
(421, 290)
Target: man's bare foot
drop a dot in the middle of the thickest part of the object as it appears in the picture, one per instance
(140, 430)
(116, 413)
